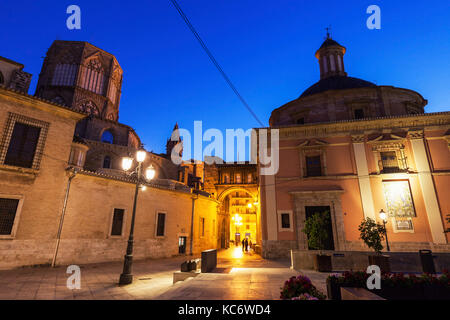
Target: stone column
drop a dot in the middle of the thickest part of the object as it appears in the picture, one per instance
(271, 207)
(427, 186)
(359, 150)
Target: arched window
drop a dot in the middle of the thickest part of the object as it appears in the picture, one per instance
(107, 137)
(92, 77)
(107, 162)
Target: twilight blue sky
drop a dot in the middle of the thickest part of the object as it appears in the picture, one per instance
(266, 47)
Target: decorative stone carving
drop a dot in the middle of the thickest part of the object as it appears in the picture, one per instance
(358, 138)
(415, 134)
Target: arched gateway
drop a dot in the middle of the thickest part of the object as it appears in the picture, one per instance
(235, 186)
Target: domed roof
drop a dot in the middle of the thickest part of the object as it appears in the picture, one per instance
(328, 43)
(336, 83)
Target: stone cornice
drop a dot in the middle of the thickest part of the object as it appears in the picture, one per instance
(358, 127)
(39, 103)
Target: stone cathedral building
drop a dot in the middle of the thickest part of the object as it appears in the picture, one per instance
(64, 197)
(350, 148)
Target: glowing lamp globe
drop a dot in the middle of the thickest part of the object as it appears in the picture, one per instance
(150, 173)
(140, 155)
(382, 215)
(126, 163)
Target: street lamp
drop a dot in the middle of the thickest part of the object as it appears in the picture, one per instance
(126, 277)
(383, 217)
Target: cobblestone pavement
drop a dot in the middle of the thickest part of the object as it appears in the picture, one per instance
(238, 276)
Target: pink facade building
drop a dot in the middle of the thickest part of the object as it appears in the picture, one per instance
(350, 148)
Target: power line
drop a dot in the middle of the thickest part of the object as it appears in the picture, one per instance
(214, 61)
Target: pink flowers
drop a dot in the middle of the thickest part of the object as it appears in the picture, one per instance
(300, 288)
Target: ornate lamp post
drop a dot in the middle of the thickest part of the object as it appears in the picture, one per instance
(126, 277)
(383, 217)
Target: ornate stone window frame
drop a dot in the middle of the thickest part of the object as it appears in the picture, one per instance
(365, 105)
(396, 146)
(318, 149)
(7, 134)
(330, 198)
(291, 221)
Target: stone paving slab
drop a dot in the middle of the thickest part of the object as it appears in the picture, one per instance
(238, 277)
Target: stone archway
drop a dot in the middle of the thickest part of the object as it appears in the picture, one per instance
(239, 216)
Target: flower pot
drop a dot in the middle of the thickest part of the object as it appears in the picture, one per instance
(333, 289)
(322, 263)
(382, 261)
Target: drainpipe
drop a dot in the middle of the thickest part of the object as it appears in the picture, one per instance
(58, 236)
(192, 226)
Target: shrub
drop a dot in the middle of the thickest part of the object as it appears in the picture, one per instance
(316, 227)
(300, 288)
(372, 234)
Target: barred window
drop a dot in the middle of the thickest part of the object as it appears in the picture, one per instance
(313, 166)
(23, 141)
(161, 224)
(285, 221)
(117, 223)
(389, 161)
(22, 145)
(8, 209)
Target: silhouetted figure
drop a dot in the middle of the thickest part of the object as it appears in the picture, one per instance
(246, 244)
(243, 244)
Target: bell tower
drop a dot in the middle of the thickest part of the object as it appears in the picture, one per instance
(173, 141)
(83, 77)
(331, 58)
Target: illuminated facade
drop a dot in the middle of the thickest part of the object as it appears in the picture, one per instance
(351, 148)
(235, 186)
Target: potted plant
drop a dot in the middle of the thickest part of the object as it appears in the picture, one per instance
(372, 234)
(316, 227)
